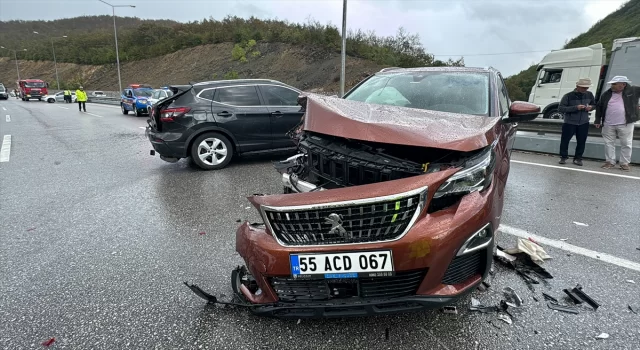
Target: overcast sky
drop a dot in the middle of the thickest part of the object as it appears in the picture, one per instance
(486, 32)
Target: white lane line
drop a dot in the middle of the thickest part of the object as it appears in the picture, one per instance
(8, 117)
(581, 170)
(572, 248)
(62, 107)
(95, 115)
(5, 150)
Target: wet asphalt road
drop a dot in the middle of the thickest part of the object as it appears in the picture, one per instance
(96, 238)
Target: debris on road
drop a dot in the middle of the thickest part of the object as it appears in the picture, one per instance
(558, 307)
(202, 233)
(529, 247)
(564, 239)
(580, 224)
(579, 296)
(549, 297)
(633, 309)
(631, 281)
(483, 286)
(31, 229)
(512, 297)
(603, 336)
(450, 310)
(523, 263)
(505, 318)
(49, 342)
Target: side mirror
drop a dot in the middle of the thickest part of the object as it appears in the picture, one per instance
(522, 112)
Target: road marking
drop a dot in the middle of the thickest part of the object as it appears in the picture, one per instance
(581, 170)
(5, 150)
(95, 115)
(8, 117)
(62, 107)
(572, 248)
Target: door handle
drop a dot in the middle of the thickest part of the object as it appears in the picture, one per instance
(277, 114)
(225, 114)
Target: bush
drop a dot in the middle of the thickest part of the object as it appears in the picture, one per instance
(231, 75)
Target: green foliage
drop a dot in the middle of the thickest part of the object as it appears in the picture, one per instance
(619, 24)
(231, 75)
(238, 53)
(90, 39)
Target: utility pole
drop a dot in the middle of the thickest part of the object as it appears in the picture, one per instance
(343, 54)
(15, 55)
(55, 63)
(115, 32)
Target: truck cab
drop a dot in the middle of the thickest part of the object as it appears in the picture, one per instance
(558, 72)
(32, 88)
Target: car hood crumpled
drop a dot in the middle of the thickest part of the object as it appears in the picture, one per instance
(397, 125)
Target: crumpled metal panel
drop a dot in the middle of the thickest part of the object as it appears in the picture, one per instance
(397, 125)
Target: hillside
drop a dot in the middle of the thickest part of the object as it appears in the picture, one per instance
(622, 23)
(299, 66)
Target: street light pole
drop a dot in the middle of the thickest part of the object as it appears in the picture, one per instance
(55, 62)
(15, 55)
(343, 54)
(115, 33)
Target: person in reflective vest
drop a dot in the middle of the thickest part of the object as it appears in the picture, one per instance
(81, 98)
(67, 96)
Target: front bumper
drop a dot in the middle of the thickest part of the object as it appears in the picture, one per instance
(431, 245)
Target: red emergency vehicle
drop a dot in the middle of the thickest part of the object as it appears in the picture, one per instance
(32, 88)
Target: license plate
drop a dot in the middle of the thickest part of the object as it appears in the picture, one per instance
(342, 265)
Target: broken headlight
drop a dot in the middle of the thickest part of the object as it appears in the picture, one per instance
(476, 175)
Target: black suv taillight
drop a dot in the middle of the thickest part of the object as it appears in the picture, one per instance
(170, 114)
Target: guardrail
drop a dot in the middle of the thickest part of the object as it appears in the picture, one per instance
(104, 100)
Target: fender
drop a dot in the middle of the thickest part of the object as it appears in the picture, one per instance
(550, 106)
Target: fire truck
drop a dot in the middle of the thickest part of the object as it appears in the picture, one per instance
(32, 88)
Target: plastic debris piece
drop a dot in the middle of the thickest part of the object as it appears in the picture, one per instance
(505, 318)
(631, 281)
(535, 251)
(31, 229)
(512, 297)
(581, 224)
(557, 307)
(633, 309)
(579, 296)
(450, 310)
(503, 255)
(202, 233)
(563, 239)
(603, 336)
(49, 342)
(238, 220)
(299, 320)
(549, 297)
(247, 207)
(475, 302)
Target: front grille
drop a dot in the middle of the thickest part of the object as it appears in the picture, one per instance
(292, 290)
(371, 220)
(466, 266)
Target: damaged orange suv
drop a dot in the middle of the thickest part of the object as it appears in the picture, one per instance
(392, 202)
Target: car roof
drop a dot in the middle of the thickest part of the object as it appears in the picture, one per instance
(391, 70)
(221, 83)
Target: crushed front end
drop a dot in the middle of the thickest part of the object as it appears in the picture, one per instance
(365, 227)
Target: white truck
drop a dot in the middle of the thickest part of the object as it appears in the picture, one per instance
(559, 70)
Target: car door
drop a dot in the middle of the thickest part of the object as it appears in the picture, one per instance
(285, 113)
(239, 110)
(127, 99)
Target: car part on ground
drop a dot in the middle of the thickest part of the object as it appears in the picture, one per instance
(391, 203)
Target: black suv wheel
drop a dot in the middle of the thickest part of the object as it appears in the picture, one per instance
(211, 151)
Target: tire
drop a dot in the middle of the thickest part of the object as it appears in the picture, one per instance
(26, 99)
(553, 113)
(213, 161)
(39, 99)
(51, 100)
(136, 111)
(124, 111)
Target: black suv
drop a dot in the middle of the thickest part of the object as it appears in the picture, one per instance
(213, 121)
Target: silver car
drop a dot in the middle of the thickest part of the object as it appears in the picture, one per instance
(59, 97)
(157, 95)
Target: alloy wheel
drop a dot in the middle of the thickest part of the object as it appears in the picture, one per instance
(212, 151)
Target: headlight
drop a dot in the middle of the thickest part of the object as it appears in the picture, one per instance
(476, 175)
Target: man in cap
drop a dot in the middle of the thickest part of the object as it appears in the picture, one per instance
(616, 113)
(576, 106)
(81, 98)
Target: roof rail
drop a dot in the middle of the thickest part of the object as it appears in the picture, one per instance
(389, 68)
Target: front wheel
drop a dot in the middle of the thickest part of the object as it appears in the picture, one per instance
(124, 111)
(51, 100)
(211, 151)
(553, 114)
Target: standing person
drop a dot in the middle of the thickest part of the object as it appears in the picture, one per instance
(616, 113)
(576, 106)
(67, 96)
(81, 98)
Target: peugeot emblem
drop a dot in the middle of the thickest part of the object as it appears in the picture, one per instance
(336, 224)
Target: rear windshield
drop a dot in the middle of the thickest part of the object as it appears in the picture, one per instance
(453, 92)
(143, 92)
(34, 85)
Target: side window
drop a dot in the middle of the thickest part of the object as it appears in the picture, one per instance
(238, 96)
(504, 98)
(207, 94)
(551, 76)
(279, 96)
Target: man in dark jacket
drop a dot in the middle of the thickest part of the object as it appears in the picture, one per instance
(616, 112)
(576, 106)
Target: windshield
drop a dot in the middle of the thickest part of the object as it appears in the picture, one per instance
(143, 92)
(34, 85)
(454, 92)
